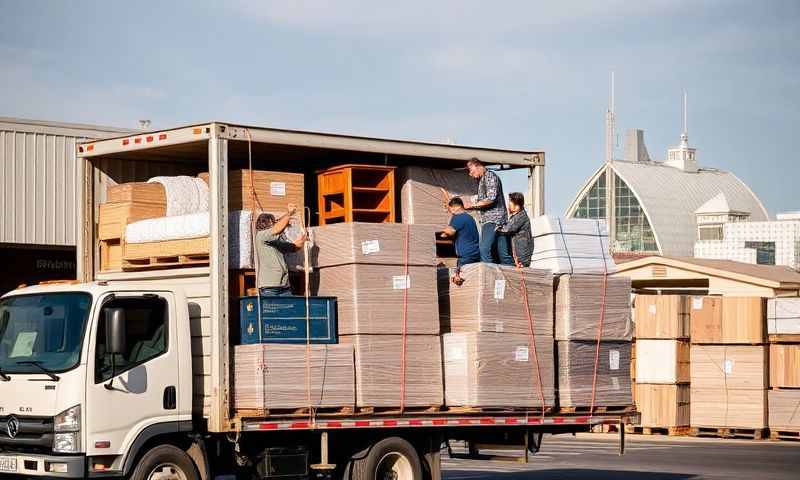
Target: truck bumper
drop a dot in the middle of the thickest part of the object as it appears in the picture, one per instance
(30, 465)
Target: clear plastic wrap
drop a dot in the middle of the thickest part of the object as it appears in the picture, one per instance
(579, 300)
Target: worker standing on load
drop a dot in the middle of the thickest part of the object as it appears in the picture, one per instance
(518, 229)
(272, 278)
(464, 232)
(492, 205)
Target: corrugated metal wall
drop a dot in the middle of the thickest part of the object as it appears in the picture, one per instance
(38, 181)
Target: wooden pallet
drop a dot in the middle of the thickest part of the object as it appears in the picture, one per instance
(791, 435)
(669, 431)
(784, 338)
(599, 409)
(432, 410)
(729, 432)
(606, 428)
(165, 261)
(497, 410)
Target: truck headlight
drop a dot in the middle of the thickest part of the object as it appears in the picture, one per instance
(69, 420)
(67, 426)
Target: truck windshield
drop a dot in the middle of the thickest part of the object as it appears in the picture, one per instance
(42, 331)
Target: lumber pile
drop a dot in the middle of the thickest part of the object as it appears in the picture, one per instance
(424, 193)
(662, 373)
(495, 354)
(580, 367)
(783, 328)
(581, 301)
(274, 190)
(729, 362)
(571, 245)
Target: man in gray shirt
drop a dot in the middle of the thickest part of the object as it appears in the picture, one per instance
(518, 229)
(492, 205)
(272, 278)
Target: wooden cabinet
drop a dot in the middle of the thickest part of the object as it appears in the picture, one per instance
(356, 193)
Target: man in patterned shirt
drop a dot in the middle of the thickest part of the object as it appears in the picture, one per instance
(492, 206)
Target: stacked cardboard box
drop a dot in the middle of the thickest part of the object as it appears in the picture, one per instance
(375, 279)
(274, 190)
(496, 354)
(662, 360)
(728, 362)
(424, 193)
(571, 245)
(783, 327)
(589, 374)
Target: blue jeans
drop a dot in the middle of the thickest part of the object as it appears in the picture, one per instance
(494, 246)
(275, 291)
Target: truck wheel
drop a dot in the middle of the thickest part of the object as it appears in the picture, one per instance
(165, 462)
(390, 459)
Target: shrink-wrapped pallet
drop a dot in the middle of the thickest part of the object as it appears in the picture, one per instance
(662, 361)
(371, 298)
(783, 316)
(576, 371)
(424, 193)
(579, 304)
(571, 245)
(784, 365)
(661, 316)
(491, 300)
(728, 320)
(274, 376)
(375, 243)
(784, 410)
(379, 366)
(729, 386)
(663, 406)
(275, 190)
(497, 370)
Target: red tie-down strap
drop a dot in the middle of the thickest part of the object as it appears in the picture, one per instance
(600, 322)
(407, 281)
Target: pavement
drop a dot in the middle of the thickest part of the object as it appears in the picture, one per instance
(596, 457)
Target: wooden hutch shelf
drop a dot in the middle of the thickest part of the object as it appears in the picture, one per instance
(356, 193)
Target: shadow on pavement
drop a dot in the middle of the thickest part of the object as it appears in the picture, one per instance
(565, 474)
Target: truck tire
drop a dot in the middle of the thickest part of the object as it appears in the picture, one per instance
(390, 459)
(165, 462)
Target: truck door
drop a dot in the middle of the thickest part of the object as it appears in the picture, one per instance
(130, 391)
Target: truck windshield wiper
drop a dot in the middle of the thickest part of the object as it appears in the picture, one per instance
(4, 377)
(38, 365)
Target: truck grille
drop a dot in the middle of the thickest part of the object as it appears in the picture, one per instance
(34, 434)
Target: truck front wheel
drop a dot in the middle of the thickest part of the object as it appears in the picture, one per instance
(390, 459)
(165, 462)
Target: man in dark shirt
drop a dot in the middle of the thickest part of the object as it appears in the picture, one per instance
(491, 204)
(464, 232)
(518, 228)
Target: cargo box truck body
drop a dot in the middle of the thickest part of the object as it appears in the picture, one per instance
(166, 412)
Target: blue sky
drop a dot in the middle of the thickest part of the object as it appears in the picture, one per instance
(519, 74)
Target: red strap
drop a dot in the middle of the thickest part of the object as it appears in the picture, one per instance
(602, 320)
(407, 285)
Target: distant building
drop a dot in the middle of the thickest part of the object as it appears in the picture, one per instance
(651, 206)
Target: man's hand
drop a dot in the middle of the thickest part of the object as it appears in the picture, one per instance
(291, 209)
(300, 240)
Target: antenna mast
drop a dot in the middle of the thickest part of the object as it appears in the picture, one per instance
(610, 125)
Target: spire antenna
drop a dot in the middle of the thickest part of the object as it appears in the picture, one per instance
(610, 125)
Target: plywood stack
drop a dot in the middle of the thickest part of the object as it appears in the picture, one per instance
(571, 245)
(275, 190)
(388, 308)
(424, 193)
(592, 374)
(496, 354)
(783, 327)
(728, 366)
(663, 374)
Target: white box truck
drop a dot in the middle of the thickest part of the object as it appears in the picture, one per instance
(71, 406)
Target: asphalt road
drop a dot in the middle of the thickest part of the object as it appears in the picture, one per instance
(595, 456)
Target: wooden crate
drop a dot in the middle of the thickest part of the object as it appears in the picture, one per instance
(110, 255)
(663, 405)
(662, 361)
(728, 320)
(137, 192)
(784, 410)
(275, 190)
(114, 217)
(661, 316)
(784, 366)
(356, 193)
(167, 253)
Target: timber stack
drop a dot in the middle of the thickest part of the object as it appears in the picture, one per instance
(783, 328)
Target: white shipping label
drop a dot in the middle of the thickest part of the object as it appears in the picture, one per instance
(499, 326)
(455, 353)
(613, 359)
(370, 246)
(401, 282)
(697, 303)
(521, 354)
(499, 289)
(277, 189)
(652, 309)
(728, 367)
(615, 383)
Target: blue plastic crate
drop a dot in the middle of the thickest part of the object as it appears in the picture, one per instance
(283, 320)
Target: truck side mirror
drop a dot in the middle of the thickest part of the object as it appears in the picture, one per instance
(115, 331)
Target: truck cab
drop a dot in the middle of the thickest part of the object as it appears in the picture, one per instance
(89, 373)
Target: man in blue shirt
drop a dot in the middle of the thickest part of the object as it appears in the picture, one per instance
(464, 232)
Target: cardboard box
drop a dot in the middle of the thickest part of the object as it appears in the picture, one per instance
(662, 361)
(731, 408)
(783, 316)
(728, 320)
(576, 371)
(424, 193)
(137, 192)
(784, 366)
(663, 406)
(661, 316)
(582, 299)
(497, 370)
(114, 217)
(373, 243)
(784, 410)
(275, 190)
